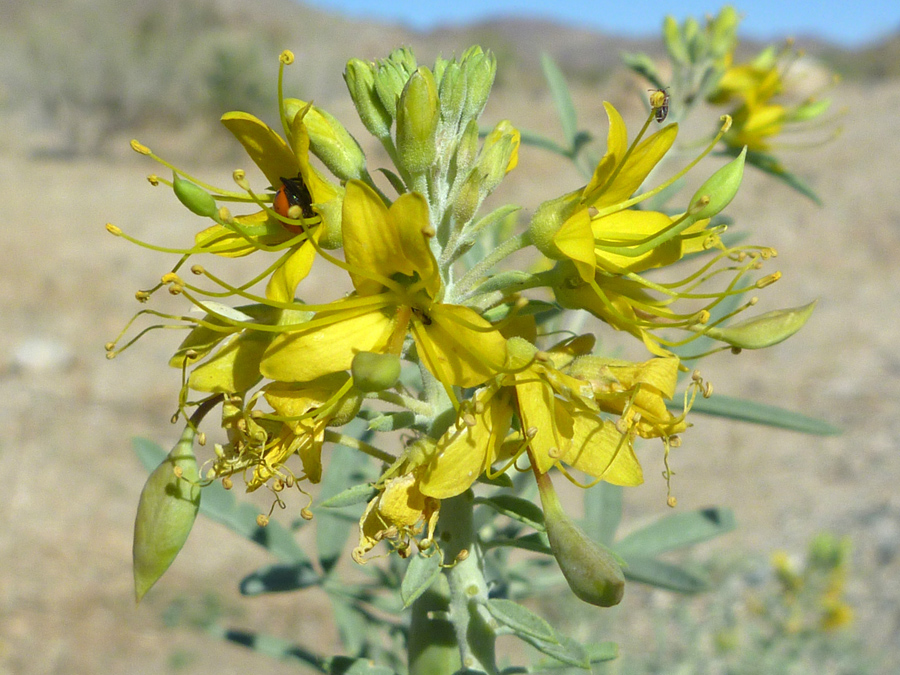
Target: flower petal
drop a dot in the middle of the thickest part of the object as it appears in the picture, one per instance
(328, 345)
(265, 147)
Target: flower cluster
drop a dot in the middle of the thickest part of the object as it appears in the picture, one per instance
(433, 339)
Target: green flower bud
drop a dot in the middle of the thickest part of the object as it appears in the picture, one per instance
(194, 197)
(765, 330)
(718, 191)
(389, 82)
(166, 513)
(417, 119)
(695, 39)
(592, 571)
(723, 31)
(452, 94)
(467, 150)
(375, 372)
(480, 69)
(547, 220)
(360, 79)
(674, 43)
(330, 141)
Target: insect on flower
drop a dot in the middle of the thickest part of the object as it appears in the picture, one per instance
(659, 102)
(293, 192)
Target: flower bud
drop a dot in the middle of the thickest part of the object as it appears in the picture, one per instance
(519, 353)
(332, 143)
(480, 69)
(719, 190)
(360, 79)
(674, 43)
(723, 30)
(166, 513)
(765, 330)
(809, 110)
(391, 77)
(592, 571)
(375, 372)
(467, 150)
(417, 119)
(452, 94)
(548, 219)
(194, 197)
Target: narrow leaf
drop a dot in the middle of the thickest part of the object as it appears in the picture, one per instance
(522, 510)
(774, 168)
(602, 512)
(537, 140)
(522, 621)
(344, 665)
(761, 413)
(665, 575)
(562, 98)
(565, 649)
(643, 65)
(602, 651)
(423, 570)
(357, 494)
(268, 645)
(279, 579)
(677, 530)
(537, 542)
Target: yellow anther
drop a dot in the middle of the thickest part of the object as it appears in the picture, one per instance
(139, 147)
(142, 296)
(227, 483)
(531, 432)
(240, 177)
(768, 280)
(671, 501)
(306, 514)
(178, 471)
(201, 438)
(469, 420)
(262, 520)
(153, 179)
(286, 57)
(112, 229)
(225, 215)
(197, 269)
(726, 122)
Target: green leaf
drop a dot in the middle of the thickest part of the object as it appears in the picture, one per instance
(220, 505)
(602, 651)
(500, 480)
(522, 510)
(720, 405)
(675, 531)
(423, 571)
(665, 575)
(279, 579)
(536, 541)
(351, 625)
(357, 494)
(565, 649)
(562, 99)
(602, 512)
(643, 65)
(773, 167)
(345, 468)
(521, 621)
(268, 645)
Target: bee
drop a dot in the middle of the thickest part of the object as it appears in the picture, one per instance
(659, 102)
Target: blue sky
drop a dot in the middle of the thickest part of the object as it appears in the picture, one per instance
(845, 22)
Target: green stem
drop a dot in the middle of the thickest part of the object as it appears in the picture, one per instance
(505, 249)
(468, 588)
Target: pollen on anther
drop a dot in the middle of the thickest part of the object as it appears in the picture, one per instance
(113, 229)
(197, 269)
(153, 179)
(286, 57)
(531, 432)
(262, 520)
(139, 147)
(306, 514)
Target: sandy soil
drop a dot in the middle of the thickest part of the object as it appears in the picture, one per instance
(71, 482)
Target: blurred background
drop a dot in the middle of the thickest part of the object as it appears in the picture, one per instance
(80, 78)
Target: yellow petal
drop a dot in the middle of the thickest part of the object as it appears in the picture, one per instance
(266, 148)
(464, 452)
(599, 450)
(371, 241)
(284, 280)
(576, 240)
(541, 411)
(458, 346)
(234, 368)
(328, 345)
(224, 241)
(628, 228)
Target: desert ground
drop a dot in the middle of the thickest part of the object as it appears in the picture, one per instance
(71, 481)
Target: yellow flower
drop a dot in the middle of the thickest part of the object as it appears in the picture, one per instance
(398, 289)
(287, 168)
(559, 425)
